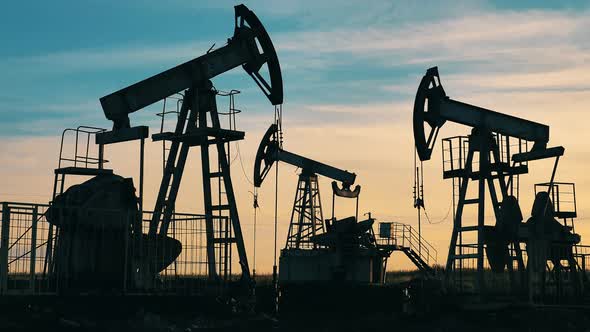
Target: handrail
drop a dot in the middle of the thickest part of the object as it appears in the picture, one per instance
(82, 159)
(406, 236)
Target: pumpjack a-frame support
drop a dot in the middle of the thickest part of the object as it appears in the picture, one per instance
(433, 108)
(192, 130)
(306, 215)
(490, 168)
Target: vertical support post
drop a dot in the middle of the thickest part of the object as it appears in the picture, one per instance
(4, 244)
(421, 195)
(170, 166)
(141, 163)
(138, 255)
(356, 208)
(291, 223)
(419, 233)
(484, 175)
(254, 233)
(128, 221)
(460, 165)
(33, 248)
(100, 156)
(199, 106)
(320, 220)
(231, 200)
(333, 206)
(550, 190)
(312, 207)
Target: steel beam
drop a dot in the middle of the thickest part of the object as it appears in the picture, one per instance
(118, 104)
(316, 167)
(122, 135)
(553, 152)
(478, 117)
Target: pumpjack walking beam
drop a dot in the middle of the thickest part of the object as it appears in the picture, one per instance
(241, 49)
(269, 152)
(441, 108)
(250, 47)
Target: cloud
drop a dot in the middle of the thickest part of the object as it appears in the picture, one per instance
(22, 117)
(114, 57)
(504, 42)
(311, 14)
(528, 38)
(573, 78)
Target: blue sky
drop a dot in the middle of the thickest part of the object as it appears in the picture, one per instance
(350, 69)
(59, 57)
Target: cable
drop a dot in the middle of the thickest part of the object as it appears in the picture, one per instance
(276, 213)
(442, 220)
(239, 155)
(278, 121)
(256, 206)
(419, 193)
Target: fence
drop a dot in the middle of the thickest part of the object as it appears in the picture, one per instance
(464, 275)
(37, 257)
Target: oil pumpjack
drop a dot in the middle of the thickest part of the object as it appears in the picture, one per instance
(251, 48)
(343, 250)
(492, 137)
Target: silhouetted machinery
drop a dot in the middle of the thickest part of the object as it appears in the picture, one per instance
(251, 48)
(94, 219)
(342, 250)
(495, 138)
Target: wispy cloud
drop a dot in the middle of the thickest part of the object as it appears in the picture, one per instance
(114, 57)
(527, 38)
(478, 52)
(506, 41)
(312, 14)
(573, 78)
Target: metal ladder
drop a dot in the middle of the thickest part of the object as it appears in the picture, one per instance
(166, 148)
(224, 248)
(201, 101)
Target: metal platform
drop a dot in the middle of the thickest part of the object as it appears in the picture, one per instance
(394, 236)
(82, 171)
(198, 136)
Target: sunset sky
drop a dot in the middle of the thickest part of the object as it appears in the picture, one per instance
(350, 71)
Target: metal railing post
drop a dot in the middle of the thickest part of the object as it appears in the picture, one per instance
(128, 223)
(4, 244)
(33, 247)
